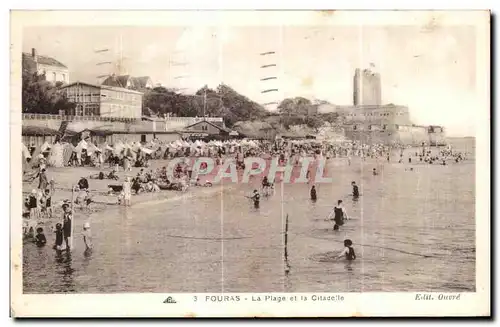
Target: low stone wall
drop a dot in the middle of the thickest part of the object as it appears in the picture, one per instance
(97, 123)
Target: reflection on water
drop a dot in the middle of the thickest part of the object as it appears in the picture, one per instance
(412, 231)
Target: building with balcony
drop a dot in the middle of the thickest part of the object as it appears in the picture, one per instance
(104, 101)
(53, 70)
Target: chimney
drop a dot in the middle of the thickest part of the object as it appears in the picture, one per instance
(33, 54)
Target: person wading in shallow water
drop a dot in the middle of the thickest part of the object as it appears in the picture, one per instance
(67, 220)
(339, 215)
(348, 251)
(255, 198)
(314, 196)
(355, 190)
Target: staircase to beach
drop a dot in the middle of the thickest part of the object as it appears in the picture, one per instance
(62, 128)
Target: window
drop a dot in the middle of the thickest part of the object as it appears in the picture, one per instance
(54, 77)
(64, 77)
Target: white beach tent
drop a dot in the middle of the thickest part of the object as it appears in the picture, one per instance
(91, 149)
(146, 150)
(45, 146)
(26, 152)
(81, 145)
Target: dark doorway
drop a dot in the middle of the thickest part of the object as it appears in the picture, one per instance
(143, 138)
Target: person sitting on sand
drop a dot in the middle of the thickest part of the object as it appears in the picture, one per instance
(136, 185)
(348, 251)
(83, 184)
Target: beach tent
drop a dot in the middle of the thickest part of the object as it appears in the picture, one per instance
(146, 150)
(56, 157)
(26, 152)
(91, 149)
(81, 145)
(68, 149)
(118, 147)
(45, 146)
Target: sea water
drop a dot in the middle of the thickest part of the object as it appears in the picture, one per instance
(411, 230)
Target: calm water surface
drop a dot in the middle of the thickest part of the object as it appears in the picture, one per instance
(412, 231)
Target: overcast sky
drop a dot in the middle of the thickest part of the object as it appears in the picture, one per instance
(431, 70)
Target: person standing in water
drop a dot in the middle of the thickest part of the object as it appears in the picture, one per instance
(59, 237)
(127, 191)
(339, 215)
(87, 236)
(355, 190)
(348, 251)
(66, 227)
(313, 194)
(256, 199)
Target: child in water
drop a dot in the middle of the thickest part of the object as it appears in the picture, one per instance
(59, 237)
(348, 251)
(40, 239)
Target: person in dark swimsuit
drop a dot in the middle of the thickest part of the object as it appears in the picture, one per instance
(59, 237)
(67, 227)
(355, 190)
(314, 195)
(339, 215)
(256, 199)
(348, 251)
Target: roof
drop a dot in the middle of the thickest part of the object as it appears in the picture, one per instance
(218, 125)
(124, 80)
(142, 81)
(44, 60)
(107, 87)
(38, 130)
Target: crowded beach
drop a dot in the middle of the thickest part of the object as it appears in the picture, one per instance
(63, 180)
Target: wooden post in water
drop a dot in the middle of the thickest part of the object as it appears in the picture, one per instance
(287, 267)
(72, 216)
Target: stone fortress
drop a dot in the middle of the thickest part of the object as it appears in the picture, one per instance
(370, 121)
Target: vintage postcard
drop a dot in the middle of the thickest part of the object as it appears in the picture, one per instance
(250, 163)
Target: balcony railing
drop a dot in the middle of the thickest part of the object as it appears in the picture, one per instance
(117, 119)
(77, 118)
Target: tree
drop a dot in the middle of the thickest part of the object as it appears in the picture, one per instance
(314, 122)
(295, 106)
(330, 117)
(41, 96)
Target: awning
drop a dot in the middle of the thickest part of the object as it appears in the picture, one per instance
(38, 130)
